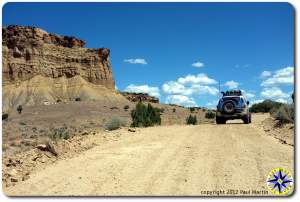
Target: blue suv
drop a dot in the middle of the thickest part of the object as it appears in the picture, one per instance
(231, 106)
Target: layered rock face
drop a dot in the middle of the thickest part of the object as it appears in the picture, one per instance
(39, 67)
(140, 97)
(30, 51)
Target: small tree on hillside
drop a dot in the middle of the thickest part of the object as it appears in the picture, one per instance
(191, 120)
(210, 115)
(20, 109)
(192, 109)
(145, 116)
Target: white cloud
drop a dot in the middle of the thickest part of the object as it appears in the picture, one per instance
(231, 84)
(136, 61)
(200, 89)
(281, 100)
(280, 77)
(249, 95)
(198, 79)
(181, 90)
(181, 100)
(173, 87)
(255, 102)
(153, 91)
(198, 64)
(213, 103)
(285, 72)
(265, 74)
(273, 93)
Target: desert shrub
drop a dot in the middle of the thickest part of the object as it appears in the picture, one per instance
(192, 109)
(191, 120)
(126, 107)
(20, 109)
(284, 114)
(210, 115)
(174, 110)
(5, 116)
(265, 106)
(115, 123)
(145, 116)
(60, 133)
(78, 99)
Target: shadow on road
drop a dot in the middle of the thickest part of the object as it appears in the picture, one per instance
(234, 123)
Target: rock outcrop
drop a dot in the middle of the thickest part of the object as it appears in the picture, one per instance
(39, 67)
(30, 51)
(140, 97)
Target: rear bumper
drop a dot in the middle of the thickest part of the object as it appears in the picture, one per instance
(237, 115)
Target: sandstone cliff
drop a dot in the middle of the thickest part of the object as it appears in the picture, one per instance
(30, 51)
(33, 58)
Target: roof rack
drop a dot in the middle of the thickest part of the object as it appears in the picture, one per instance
(232, 93)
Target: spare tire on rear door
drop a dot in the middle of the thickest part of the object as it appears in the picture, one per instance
(229, 107)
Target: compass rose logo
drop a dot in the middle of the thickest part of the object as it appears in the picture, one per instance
(280, 181)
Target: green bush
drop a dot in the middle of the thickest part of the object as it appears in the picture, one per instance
(20, 109)
(60, 133)
(115, 123)
(5, 116)
(265, 106)
(210, 115)
(78, 99)
(192, 109)
(126, 107)
(145, 116)
(191, 120)
(284, 114)
(174, 110)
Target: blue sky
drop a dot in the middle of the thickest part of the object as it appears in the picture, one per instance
(180, 51)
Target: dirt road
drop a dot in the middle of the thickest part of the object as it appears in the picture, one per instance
(167, 160)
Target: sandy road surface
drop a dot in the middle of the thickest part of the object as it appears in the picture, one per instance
(167, 160)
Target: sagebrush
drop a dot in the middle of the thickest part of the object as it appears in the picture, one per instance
(265, 106)
(210, 115)
(191, 120)
(284, 114)
(60, 133)
(115, 123)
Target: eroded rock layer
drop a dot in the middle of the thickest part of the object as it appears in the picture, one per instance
(139, 97)
(30, 51)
